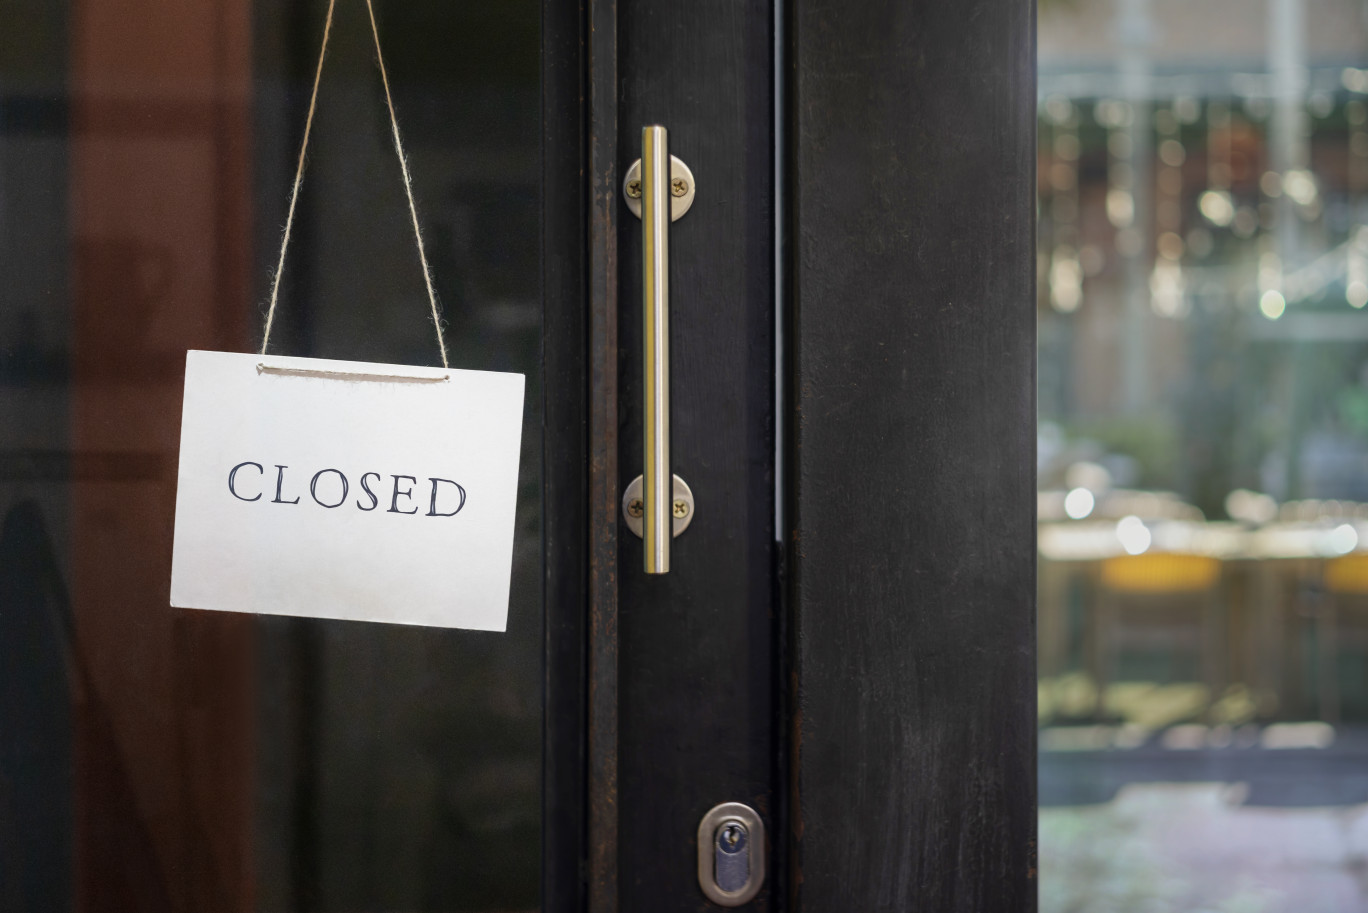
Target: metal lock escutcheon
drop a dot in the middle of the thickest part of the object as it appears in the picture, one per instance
(731, 854)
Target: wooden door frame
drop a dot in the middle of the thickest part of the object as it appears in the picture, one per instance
(570, 568)
(909, 454)
(913, 387)
(580, 489)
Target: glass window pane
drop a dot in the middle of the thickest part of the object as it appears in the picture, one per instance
(163, 759)
(1203, 455)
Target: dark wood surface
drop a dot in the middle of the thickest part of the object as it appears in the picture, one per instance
(603, 213)
(913, 455)
(696, 646)
(565, 461)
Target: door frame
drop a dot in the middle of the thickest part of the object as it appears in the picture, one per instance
(566, 477)
(908, 154)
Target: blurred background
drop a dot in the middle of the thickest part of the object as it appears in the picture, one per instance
(1203, 455)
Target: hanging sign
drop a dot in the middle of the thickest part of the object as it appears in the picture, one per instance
(338, 489)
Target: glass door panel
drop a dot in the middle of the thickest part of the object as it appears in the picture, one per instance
(163, 759)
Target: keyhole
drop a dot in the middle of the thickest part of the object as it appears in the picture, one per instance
(731, 839)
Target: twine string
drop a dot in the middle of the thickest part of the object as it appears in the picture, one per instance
(403, 167)
(298, 179)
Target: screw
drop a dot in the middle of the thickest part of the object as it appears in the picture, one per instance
(679, 187)
(681, 509)
(634, 189)
(635, 507)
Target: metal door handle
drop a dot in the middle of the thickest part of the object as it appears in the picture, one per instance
(659, 188)
(655, 300)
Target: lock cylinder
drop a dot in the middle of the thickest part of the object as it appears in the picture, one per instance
(731, 854)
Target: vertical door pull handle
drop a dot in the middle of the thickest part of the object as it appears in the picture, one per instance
(655, 300)
(659, 189)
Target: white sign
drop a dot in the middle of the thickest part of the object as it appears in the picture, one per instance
(340, 489)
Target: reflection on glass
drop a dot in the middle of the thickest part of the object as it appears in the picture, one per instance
(161, 760)
(1203, 455)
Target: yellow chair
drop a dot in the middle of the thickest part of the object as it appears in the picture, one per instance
(1157, 586)
(1346, 584)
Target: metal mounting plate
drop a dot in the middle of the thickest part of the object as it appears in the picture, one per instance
(679, 203)
(631, 512)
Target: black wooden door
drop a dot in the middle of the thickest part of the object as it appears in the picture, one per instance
(844, 642)
(696, 647)
(845, 639)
